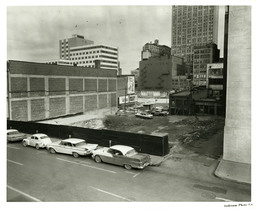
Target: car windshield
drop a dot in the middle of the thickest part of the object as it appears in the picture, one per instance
(131, 153)
(44, 137)
(13, 133)
(79, 144)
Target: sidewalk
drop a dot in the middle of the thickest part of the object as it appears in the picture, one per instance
(235, 171)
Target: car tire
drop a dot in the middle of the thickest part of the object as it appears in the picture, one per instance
(37, 146)
(127, 166)
(97, 159)
(52, 151)
(24, 143)
(75, 154)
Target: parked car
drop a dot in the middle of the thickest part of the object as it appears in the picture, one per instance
(14, 135)
(38, 141)
(144, 115)
(121, 155)
(72, 146)
(159, 113)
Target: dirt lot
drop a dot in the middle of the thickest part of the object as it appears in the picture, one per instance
(187, 134)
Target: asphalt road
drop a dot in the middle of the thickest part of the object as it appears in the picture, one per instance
(37, 175)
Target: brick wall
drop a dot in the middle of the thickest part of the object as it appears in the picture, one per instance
(37, 109)
(57, 86)
(76, 104)
(57, 106)
(90, 103)
(75, 86)
(90, 84)
(19, 110)
(41, 91)
(19, 87)
(103, 85)
(103, 101)
(111, 85)
(37, 87)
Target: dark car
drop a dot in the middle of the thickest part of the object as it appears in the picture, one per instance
(121, 155)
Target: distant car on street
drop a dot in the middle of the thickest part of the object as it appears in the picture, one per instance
(159, 113)
(144, 115)
(72, 146)
(121, 155)
(14, 135)
(38, 140)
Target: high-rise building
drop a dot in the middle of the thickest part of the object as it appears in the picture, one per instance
(100, 56)
(193, 26)
(66, 44)
(83, 52)
(202, 56)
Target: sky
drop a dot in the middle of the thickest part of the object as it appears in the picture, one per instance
(33, 32)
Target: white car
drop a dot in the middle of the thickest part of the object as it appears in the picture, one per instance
(38, 141)
(144, 115)
(72, 146)
(14, 135)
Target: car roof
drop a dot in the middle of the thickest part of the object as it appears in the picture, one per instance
(39, 134)
(73, 140)
(124, 149)
(11, 130)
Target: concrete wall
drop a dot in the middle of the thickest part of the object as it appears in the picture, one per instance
(237, 133)
(41, 91)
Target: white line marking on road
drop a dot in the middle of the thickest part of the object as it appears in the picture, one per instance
(109, 193)
(87, 165)
(15, 162)
(25, 194)
(134, 174)
(12, 147)
(224, 199)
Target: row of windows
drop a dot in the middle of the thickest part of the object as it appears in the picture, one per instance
(94, 47)
(83, 53)
(86, 57)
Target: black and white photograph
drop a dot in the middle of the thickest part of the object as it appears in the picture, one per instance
(133, 105)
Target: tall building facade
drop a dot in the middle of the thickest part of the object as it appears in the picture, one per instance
(74, 41)
(193, 26)
(83, 52)
(100, 56)
(202, 56)
(162, 73)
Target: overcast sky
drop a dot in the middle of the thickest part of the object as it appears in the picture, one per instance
(33, 33)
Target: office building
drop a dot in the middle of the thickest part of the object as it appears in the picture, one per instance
(202, 56)
(160, 73)
(100, 56)
(83, 52)
(193, 26)
(74, 41)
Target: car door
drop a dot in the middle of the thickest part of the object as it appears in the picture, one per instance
(108, 156)
(31, 141)
(65, 148)
(119, 158)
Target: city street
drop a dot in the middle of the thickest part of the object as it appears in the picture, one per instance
(37, 175)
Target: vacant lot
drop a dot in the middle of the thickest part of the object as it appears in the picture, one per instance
(187, 134)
